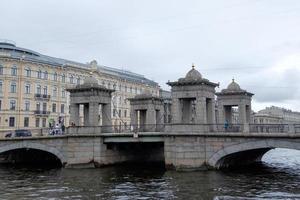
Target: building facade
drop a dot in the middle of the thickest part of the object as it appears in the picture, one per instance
(33, 88)
(277, 115)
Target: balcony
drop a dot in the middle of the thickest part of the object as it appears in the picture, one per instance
(42, 112)
(42, 97)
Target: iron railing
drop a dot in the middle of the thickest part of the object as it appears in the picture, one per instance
(270, 128)
(41, 112)
(42, 96)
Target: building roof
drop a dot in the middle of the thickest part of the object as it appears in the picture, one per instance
(234, 89)
(193, 77)
(10, 50)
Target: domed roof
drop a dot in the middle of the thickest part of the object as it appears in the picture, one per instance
(193, 74)
(90, 80)
(233, 86)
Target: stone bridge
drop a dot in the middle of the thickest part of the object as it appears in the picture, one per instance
(182, 150)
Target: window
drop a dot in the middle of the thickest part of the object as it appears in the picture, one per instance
(125, 88)
(63, 78)
(45, 75)
(54, 92)
(45, 90)
(38, 106)
(125, 113)
(71, 79)
(114, 112)
(39, 74)
(14, 71)
(78, 80)
(37, 122)
(54, 107)
(26, 121)
(1, 86)
(44, 120)
(63, 93)
(55, 76)
(120, 113)
(0, 104)
(27, 105)
(38, 89)
(44, 106)
(12, 105)
(11, 122)
(13, 87)
(62, 108)
(27, 72)
(130, 89)
(1, 69)
(27, 88)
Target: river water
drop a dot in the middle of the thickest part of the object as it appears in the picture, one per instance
(278, 177)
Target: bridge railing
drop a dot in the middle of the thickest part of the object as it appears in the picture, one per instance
(115, 129)
(271, 128)
(190, 128)
(297, 128)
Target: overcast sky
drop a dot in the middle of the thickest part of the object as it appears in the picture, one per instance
(255, 41)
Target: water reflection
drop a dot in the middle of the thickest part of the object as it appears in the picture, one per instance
(277, 178)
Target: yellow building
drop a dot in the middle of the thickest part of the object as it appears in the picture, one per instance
(32, 88)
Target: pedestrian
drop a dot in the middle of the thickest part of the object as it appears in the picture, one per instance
(226, 125)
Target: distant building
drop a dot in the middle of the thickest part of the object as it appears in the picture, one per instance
(275, 114)
(33, 87)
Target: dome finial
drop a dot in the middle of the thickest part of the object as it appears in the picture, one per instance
(193, 66)
(232, 79)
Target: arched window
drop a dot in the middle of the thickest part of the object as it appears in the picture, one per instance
(55, 76)
(71, 79)
(78, 80)
(39, 74)
(63, 78)
(13, 87)
(38, 89)
(45, 90)
(54, 91)
(27, 88)
(63, 93)
(27, 72)
(14, 71)
(45, 75)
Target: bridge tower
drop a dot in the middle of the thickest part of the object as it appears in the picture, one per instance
(92, 96)
(193, 99)
(232, 96)
(147, 112)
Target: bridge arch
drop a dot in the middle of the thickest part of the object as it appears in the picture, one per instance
(253, 151)
(34, 146)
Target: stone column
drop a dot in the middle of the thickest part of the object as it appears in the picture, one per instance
(93, 114)
(106, 115)
(242, 116)
(74, 113)
(213, 115)
(106, 118)
(133, 116)
(201, 110)
(221, 113)
(86, 114)
(176, 111)
(150, 118)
